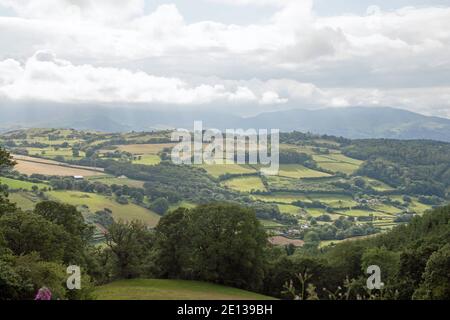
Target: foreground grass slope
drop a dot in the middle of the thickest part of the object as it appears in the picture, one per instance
(155, 289)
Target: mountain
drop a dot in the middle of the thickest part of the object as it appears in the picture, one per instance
(357, 123)
(353, 122)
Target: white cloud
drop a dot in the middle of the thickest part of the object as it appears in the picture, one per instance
(271, 97)
(277, 3)
(103, 10)
(44, 77)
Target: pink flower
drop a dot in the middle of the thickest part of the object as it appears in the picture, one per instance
(43, 293)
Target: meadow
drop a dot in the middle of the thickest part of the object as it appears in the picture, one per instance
(157, 289)
(96, 202)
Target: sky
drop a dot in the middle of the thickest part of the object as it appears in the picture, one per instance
(246, 56)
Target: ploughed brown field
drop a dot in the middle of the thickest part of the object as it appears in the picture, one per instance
(29, 165)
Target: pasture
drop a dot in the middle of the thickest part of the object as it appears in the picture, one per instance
(23, 200)
(336, 162)
(109, 181)
(298, 171)
(245, 184)
(96, 202)
(156, 289)
(217, 170)
(14, 184)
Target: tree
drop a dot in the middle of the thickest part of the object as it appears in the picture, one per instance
(65, 215)
(75, 152)
(5, 163)
(131, 244)
(22, 276)
(173, 244)
(160, 205)
(228, 243)
(25, 233)
(436, 278)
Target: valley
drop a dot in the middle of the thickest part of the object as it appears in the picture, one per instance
(321, 188)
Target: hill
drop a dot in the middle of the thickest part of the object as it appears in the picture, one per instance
(352, 122)
(357, 123)
(154, 289)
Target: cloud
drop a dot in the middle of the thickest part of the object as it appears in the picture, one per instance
(276, 3)
(103, 10)
(271, 97)
(45, 77)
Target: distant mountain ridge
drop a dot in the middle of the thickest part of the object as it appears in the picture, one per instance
(352, 122)
(359, 123)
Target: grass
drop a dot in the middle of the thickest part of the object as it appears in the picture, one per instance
(337, 162)
(298, 172)
(23, 200)
(217, 170)
(97, 202)
(153, 289)
(270, 224)
(245, 184)
(289, 209)
(147, 159)
(362, 213)
(284, 198)
(334, 200)
(18, 184)
(378, 185)
(145, 148)
(50, 152)
(109, 181)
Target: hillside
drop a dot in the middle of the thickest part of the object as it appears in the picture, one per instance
(352, 122)
(357, 123)
(154, 289)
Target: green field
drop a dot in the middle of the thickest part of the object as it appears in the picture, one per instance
(378, 185)
(337, 162)
(245, 184)
(50, 152)
(289, 209)
(298, 171)
(217, 170)
(23, 200)
(97, 202)
(147, 159)
(363, 213)
(152, 289)
(18, 184)
(109, 181)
